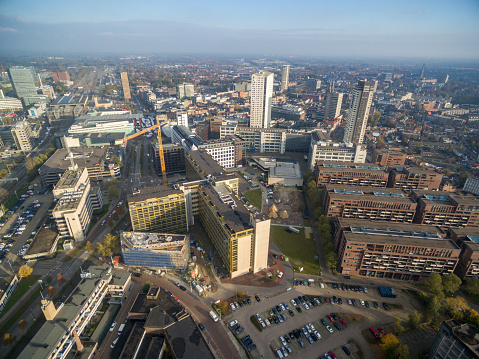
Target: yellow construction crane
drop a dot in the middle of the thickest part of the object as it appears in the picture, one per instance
(158, 125)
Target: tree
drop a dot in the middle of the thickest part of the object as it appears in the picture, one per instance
(414, 320)
(25, 271)
(472, 285)
(398, 328)
(433, 283)
(112, 193)
(89, 247)
(401, 352)
(471, 316)
(117, 161)
(456, 307)
(22, 325)
(146, 287)
(9, 339)
(434, 306)
(60, 279)
(51, 291)
(389, 342)
(451, 283)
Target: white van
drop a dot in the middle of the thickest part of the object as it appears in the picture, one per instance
(114, 342)
(121, 329)
(214, 316)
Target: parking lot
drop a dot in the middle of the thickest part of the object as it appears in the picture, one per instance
(268, 341)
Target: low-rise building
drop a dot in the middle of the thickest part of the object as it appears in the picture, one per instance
(155, 250)
(174, 155)
(388, 157)
(398, 251)
(281, 171)
(288, 112)
(67, 107)
(468, 240)
(455, 341)
(357, 174)
(415, 178)
(44, 244)
(472, 185)
(8, 285)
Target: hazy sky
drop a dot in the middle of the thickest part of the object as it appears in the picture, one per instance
(406, 28)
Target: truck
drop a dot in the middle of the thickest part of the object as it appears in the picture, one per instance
(120, 329)
(214, 316)
(198, 288)
(291, 229)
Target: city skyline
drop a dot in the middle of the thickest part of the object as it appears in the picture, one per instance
(369, 29)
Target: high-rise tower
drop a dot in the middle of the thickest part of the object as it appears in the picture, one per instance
(126, 86)
(261, 99)
(22, 81)
(285, 78)
(361, 99)
(334, 101)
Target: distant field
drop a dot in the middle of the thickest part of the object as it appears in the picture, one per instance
(300, 250)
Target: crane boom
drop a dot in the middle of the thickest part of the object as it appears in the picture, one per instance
(160, 150)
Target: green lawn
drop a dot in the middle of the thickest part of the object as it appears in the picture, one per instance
(301, 251)
(22, 288)
(254, 197)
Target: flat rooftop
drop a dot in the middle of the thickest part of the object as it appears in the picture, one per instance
(365, 189)
(43, 343)
(43, 241)
(230, 207)
(70, 201)
(169, 307)
(370, 197)
(206, 163)
(152, 240)
(68, 179)
(82, 156)
(354, 222)
(467, 334)
(395, 240)
(145, 193)
(332, 165)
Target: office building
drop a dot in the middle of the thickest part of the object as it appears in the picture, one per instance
(323, 149)
(332, 108)
(65, 322)
(229, 152)
(9, 103)
(261, 99)
(156, 250)
(67, 107)
(183, 135)
(182, 119)
(415, 178)
(258, 139)
(109, 123)
(22, 134)
(22, 81)
(174, 156)
(185, 90)
(446, 209)
(380, 204)
(281, 171)
(244, 86)
(388, 157)
(285, 78)
(455, 341)
(314, 84)
(74, 209)
(61, 76)
(126, 86)
(396, 251)
(361, 100)
(356, 174)
(472, 185)
(8, 285)
(468, 240)
(202, 130)
(287, 112)
(98, 161)
(159, 209)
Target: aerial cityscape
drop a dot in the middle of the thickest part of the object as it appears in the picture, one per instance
(260, 180)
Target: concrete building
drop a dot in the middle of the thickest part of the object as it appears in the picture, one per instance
(382, 204)
(244, 86)
(22, 134)
(446, 209)
(332, 108)
(8, 285)
(174, 155)
(355, 174)
(455, 341)
(261, 99)
(115, 123)
(9, 103)
(98, 161)
(185, 90)
(182, 119)
(155, 250)
(388, 157)
(322, 149)
(472, 185)
(415, 178)
(396, 251)
(44, 244)
(362, 98)
(258, 139)
(56, 340)
(468, 240)
(183, 135)
(287, 112)
(285, 78)
(74, 209)
(126, 86)
(67, 107)
(229, 152)
(281, 171)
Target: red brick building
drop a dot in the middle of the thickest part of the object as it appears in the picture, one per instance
(414, 178)
(468, 240)
(357, 174)
(388, 157)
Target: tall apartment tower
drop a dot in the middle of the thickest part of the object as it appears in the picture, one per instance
(362, 97)
(185, 90)
(334, 101)
(126, 86)
(285, 78)
(261, 99)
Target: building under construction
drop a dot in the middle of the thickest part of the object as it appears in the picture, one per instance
(157, 250)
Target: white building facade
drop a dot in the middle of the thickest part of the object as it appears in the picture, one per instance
(261, 99)
(362, 98)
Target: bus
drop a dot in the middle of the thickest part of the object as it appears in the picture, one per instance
(214, 316)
